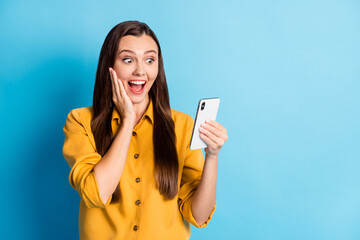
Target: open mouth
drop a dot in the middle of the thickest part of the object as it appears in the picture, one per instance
(137, 86)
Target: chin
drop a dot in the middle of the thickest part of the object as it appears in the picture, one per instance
(137, 99)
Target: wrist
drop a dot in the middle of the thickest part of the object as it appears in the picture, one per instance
(128, 122)
(211, 156)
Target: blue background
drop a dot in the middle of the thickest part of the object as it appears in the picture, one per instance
(287, 73)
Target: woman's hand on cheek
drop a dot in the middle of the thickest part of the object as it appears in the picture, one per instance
(120, 98)
(214, 135)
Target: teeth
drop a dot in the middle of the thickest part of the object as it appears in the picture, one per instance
(137, 82)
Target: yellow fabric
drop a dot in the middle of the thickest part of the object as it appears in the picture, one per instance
(154, 217)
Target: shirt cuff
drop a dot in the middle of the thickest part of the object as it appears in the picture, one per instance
(190, 218)
(91, 196)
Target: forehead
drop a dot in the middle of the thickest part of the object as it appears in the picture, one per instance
(137, 44)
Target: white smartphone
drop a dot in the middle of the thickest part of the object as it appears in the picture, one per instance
(207, 110)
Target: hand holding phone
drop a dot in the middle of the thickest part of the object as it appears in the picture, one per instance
(207, 110)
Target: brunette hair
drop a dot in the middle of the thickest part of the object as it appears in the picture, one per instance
(166, 158)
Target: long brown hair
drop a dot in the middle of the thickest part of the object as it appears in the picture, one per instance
(166, 159)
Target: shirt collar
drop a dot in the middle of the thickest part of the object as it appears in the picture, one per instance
(149, 113)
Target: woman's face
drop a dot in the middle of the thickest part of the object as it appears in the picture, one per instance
(136, 65)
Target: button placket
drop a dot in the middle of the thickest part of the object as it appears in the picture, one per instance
(136, 155)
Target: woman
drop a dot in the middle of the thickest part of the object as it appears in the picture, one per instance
(129, 152)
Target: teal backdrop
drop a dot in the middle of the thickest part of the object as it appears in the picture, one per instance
(287, 73)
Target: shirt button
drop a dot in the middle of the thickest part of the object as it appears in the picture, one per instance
(136, 228)
(137, 202)
(137, 180)
(134, 133)
(136, 156)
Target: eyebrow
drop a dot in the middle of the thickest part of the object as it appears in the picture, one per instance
(126, 50)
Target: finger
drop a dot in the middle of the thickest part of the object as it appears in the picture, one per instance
(222, 129)
(212, 129)
(117, 88)
(216, 124)
(112, 83)
(119, 84)
(122, 88)
(207, 140)
(212, 137)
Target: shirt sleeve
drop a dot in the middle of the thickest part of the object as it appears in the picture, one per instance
(81, 156)
(191, 175)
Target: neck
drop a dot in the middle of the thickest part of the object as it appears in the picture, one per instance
(140, 108)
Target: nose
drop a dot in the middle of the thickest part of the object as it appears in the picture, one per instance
(139, 70)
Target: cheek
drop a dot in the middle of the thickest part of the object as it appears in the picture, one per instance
(123, 73)
(153, 74)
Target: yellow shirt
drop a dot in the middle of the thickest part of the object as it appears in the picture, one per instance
(142, 212)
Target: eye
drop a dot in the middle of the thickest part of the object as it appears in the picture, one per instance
(150, 60)
(127, 60)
